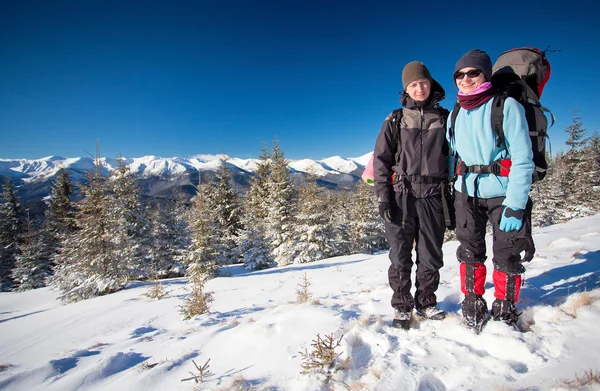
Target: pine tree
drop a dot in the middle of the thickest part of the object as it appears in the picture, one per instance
(128, 221)
(576, 140)
(202, 256)
(252, 243)
(227, 215)
(365, 227)
(170, 239)
(548, 196)
(595, 146)
(574, 177)
(281, 205)
(60, 214)
(253, 247)
(32, 265)
(198, 301)
(591, 159)
(258, 194)
(11, 231)
(90, 263)
(338, 207)
(313, 229)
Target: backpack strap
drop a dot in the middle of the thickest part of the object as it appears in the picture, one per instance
(452, 175)
(397, 119)
(444, 114)
(546, 111)
(455, 111)
(498, 119)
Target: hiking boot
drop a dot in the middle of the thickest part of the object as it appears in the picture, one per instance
(402, 319)
(505, 311)
(475, 312)
(431, 312)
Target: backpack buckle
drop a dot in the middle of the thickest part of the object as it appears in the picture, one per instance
(504, 167)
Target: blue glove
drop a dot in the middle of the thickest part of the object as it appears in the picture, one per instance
(512, 219)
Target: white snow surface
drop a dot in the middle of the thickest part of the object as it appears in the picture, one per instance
(363, 160)
(340, 164)
(32, 170)
(308, 165)
(254, 331)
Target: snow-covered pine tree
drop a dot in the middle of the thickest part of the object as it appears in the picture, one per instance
(255, 204)
(60, 213)
(128, 221)
(591, 158)
(252, 244)
(574, 176)
(281, 206)
(576, 140)
(60, 210)
(32, 265)
(170, 238)
(338, 207)
(253, 247)
(227, 215)
(560, 187)
(548, 196)
(202, 256)
(226, 201)
(198, 301)
(365, 228)
(11, 231)
(202, 259)
(89, 263)
(595, 147)
(314, 231)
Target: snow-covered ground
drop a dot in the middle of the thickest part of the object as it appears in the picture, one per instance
(255, 330)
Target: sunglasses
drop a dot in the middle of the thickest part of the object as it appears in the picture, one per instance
(473, 73)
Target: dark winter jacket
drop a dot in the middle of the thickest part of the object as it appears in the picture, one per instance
(417, 152)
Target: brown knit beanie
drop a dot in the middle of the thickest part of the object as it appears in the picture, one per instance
(413, 71)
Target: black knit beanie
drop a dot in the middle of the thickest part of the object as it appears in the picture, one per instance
(477, 59)
(414, 71)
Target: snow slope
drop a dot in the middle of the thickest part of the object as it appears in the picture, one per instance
(254, 331)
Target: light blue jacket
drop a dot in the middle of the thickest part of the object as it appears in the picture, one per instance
(475, 142)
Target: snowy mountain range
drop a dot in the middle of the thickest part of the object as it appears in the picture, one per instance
(158, 175)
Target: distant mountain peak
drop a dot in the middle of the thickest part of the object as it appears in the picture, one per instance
(34, 176)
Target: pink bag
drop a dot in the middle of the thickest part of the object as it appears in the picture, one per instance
(368, 174)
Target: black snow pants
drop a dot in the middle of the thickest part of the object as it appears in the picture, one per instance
(421, 225)
(507, 247)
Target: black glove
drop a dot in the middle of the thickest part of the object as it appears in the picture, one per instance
(529, 251)
(524, 248)
(385, 211)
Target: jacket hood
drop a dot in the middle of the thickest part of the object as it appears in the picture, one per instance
(437, 95)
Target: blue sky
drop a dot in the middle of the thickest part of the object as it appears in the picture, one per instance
(181, 78)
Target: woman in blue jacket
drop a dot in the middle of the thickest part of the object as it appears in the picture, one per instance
(498, 196)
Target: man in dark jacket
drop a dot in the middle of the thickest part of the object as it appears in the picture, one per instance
(411, 171)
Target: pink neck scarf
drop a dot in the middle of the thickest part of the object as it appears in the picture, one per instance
(477, 97)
